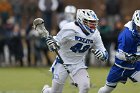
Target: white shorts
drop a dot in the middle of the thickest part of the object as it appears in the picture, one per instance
(60, 74)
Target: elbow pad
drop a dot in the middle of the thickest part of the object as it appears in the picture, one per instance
(121, 55)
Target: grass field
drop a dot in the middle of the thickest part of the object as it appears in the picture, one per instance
(31, 80)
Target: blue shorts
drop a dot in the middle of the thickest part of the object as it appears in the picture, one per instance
(138, 66)
(118, 74)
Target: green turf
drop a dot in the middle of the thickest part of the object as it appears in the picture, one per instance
(31, 80)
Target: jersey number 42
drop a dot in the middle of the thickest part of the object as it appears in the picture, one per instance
(80, 48)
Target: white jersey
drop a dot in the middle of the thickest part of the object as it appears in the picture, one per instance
(74, 44)
(63, 22)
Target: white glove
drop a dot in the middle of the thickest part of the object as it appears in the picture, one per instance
(98, 54)
(38, 25)
(51, 43)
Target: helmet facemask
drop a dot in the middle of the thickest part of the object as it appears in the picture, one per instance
(136, 21)
(91, 24)
(87, 20)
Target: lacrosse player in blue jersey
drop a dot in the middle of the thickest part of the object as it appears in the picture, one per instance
(73, 42)
(127, 57)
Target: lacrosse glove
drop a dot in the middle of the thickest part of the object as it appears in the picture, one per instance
(51, 43)
(131, 58)
(100, 55)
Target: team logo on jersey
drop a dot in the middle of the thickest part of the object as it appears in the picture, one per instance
(84, 40)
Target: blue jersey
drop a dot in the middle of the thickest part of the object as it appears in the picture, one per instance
(127, 42)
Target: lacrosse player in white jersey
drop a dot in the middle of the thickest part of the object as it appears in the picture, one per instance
(73, 42)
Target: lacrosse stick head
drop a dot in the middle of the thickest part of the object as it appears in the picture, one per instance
(38, 25)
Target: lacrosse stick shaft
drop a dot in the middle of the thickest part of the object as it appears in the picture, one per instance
(74, 83)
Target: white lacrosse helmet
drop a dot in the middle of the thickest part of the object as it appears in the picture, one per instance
(136, 21)
(136, 17)
(70, 12)
(87, 20)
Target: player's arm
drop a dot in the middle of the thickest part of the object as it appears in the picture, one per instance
(131, 58)
(101, 55)
(38, 25)
(60, 39)
(99, 50)
(124, 46)
(51, 43)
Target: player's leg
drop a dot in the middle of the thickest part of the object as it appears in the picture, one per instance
(59, 77)
(46, 89)
(56, 88)
(83, 80)
(114, 76)
(136, 76)
(105, 89)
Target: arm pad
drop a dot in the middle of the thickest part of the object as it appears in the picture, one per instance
(126, 57)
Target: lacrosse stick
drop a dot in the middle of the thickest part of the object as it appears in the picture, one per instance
(38, 25)
(136, 55)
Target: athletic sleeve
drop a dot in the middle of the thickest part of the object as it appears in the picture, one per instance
(64, 36)
(126, 44)
(125, 41)
(98, 44)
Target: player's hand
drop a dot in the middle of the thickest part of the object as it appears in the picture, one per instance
(131, 58)
(51, 43)
(98, 54)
